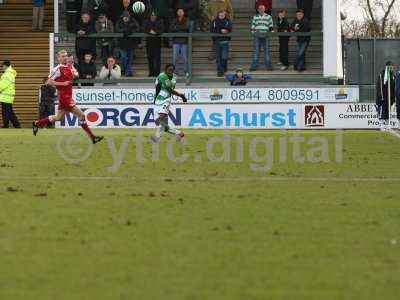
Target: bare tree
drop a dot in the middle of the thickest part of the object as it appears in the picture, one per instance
(380, 19)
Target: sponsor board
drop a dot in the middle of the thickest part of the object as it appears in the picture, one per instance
(235, 116)
(220, 95)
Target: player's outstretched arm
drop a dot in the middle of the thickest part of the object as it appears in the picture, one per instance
(182, 96)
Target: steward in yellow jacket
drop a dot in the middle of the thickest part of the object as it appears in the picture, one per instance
(7, 95)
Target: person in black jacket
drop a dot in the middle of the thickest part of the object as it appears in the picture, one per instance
(385, 84)
(73, 11)
(84, 44)
(301, 24)
(192, 11)
(283, 26)
(179, 44)
(87, 69)
(127, 25)
(306, 6)
(97, 7)
(221, 25)
(47, 98)
(153, 27)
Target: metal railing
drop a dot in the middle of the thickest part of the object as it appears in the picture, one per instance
(54, 40)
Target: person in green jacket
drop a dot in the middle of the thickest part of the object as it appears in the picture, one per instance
(7, 94)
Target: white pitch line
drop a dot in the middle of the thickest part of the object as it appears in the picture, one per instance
(208, 179)
(394, 133)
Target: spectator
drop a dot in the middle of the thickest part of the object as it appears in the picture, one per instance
(179, 44)
(162, 9)
(47, 98)
(38, 14)
(267, 4)
(283, 26)
(87, 69)
(115, 10)
(221, 25)
(300, 24)
(385, 93)
(7, 94)
(213, 8)
(127, 25)
(306, 6)
(191, 9)
(239, 78)
(83, 43)
(154, 27)
(106, 45)
(110, 70)
(73, 11)
(97, 7)
(261, 24)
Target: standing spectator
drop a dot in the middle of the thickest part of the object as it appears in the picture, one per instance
(300, 24)
(162, 9)
(267, 4)
(97, 7)
(154, 27)
(83, 43)
(191, 9)
(385, 85)
(87, 69)
(73, 11)
(221, 25)
(179, 44)
(47, 98)
(115, 10)
(110, 70)
(213, 8)
(306, 6)
(7, 94)
(261, 24)
(127, 25)
(104, 25)
(283, 26)
(38, 14)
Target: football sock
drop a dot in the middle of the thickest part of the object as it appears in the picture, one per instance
(86, 128)
(158, 132)
(44, 121)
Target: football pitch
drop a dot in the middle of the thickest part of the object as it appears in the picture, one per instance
(226, 215)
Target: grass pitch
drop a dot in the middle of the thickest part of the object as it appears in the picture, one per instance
(122, 221)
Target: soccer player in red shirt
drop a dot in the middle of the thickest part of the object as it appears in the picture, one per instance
(62, 77)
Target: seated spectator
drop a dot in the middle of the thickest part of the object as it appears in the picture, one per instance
(179, 44)
(87, 69)
(73, 10)
(267, 4)
(47, 98)
(38, 14)
(154, 27)
(213, 8)
(239, 78)
(306, 6)
(191, 9)
(110, 70)
(127, 25)
(300, 24)
(84, 44)
(106, 45)
(261, 24)
(283, 26)
(162, 9)
(221, 25)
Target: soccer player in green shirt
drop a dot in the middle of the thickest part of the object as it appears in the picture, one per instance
(165, 88)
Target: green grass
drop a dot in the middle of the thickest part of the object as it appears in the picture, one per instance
(199, 230)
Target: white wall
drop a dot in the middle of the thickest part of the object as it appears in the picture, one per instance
(333, 64)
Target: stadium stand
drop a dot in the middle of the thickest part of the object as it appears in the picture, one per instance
(28, 51)
(241, 49)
